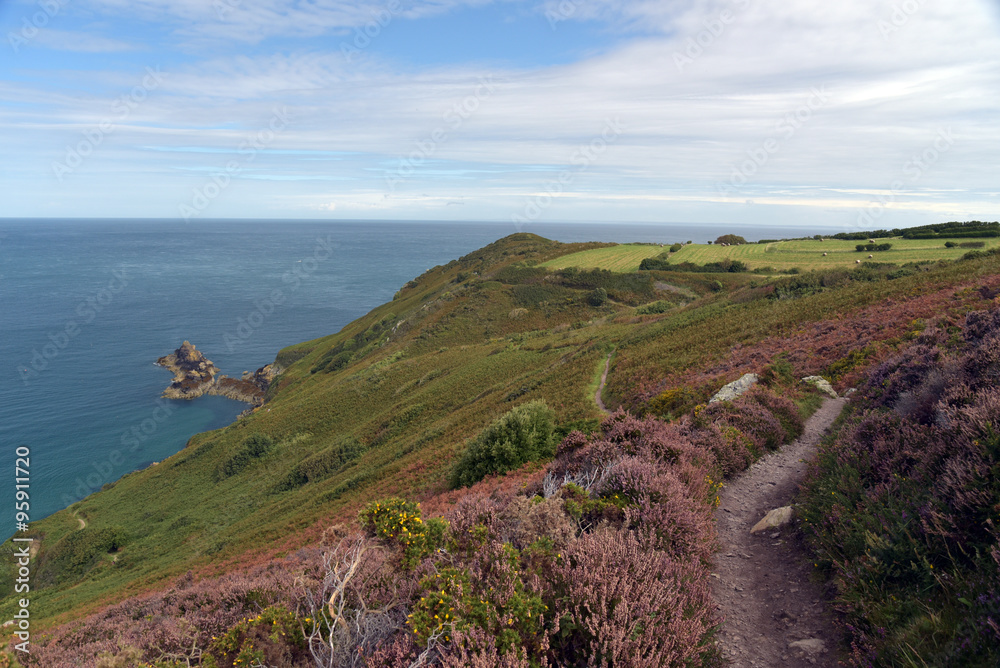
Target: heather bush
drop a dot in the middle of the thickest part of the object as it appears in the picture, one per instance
(751, 418)
(176, 625)
(783, 410)
(902, 506)
(622, 604)
(521, 435)
(732, 450)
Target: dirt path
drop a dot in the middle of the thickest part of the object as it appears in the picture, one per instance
(761, 583)
(600, 386)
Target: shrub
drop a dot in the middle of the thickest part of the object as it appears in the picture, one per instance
(399, 521)
(868, 248)
(779, 372)
(676, 247)
(626, 606)
(598, 297)
(654, 308)
(655, 263)
(731, 239)
(325, 463)
(522, 435)
(252, 448)
(675, 401)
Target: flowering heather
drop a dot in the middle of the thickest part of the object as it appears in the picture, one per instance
(902, 505)
(600, 560)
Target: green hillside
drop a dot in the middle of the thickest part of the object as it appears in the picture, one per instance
(385, 406)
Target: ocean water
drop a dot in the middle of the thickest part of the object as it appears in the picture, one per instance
(89, 305)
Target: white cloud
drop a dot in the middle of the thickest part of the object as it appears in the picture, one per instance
(691, 120)
(80, 41)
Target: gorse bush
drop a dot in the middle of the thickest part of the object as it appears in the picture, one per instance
(902, 509)
(522, 435)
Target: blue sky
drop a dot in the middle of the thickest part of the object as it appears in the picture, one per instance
(855, 114)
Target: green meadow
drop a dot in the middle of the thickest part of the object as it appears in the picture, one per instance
(804, 255)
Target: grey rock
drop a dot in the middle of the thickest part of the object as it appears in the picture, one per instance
(775, 519)
(821, 384)
(809, 645)
(735, 388)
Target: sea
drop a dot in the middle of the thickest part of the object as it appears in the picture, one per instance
(89, 305)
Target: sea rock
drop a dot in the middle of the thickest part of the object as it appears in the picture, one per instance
(194, 376)
(775, 519)
(735, 388)
(809, 645)
(821, 384)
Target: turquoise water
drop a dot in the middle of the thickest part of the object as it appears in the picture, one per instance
(90, 305)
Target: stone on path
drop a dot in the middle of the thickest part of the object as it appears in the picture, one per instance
(735, 388)
(809, 645)
(775, 519)
(821, 384)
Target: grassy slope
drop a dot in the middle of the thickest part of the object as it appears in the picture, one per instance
(806, 255)
(464, 349)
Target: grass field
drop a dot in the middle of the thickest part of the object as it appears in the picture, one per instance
(622, 258)
(805, 255)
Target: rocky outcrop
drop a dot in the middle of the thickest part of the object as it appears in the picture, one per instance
(735, 388)
(194, 376)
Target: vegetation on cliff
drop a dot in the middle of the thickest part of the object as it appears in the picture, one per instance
(385, 409)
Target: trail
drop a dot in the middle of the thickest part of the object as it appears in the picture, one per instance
(761, 583)
(600, 386)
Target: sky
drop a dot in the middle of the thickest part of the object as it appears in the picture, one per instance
(854, 114)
